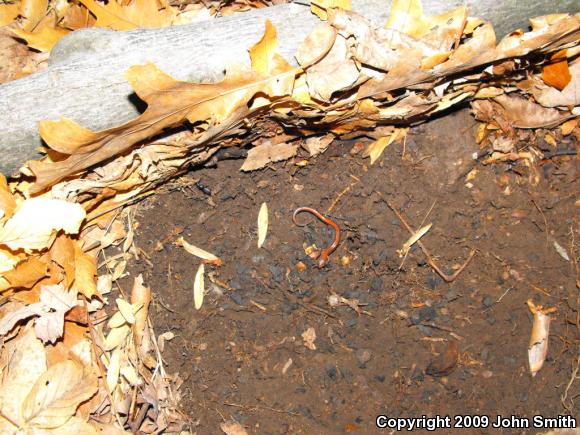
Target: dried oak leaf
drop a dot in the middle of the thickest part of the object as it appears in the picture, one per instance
(131, 15)
(170, 103)
(519, 112)
(27, 273)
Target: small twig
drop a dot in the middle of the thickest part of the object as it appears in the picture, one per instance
(267, 408)
(341, 194)
(430, 261)
(545, 220)
(138, 421)
(572, 379)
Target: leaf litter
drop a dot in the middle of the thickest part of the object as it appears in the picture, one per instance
(353, 80)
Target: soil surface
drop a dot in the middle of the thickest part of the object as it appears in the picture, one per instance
(417, 345)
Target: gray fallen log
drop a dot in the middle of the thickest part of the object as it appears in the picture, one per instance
(84, 80)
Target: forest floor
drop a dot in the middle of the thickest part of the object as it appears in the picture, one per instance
(417, 345)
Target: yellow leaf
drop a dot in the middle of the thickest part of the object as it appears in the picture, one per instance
(57, 394)
(413, 239)
(262, 54)
(136, 14)
(7, 201)
(126, 309)
(44, 37)
(376, 148)
(140, 297)
(7, 261)
(199, 287)
(117, 320)
(85, 272)
(113, 370)
(8, 13)
(27, 273)
(320, 7)
(170, 103)
(262, 224)
(36, 221)
(407, 17)
(32, 12)
(116, 337)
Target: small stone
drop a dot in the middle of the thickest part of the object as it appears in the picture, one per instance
(379, 258)
(427, 314)
(363, 356)
(451, 295)
(331, 372)
(487, 374)
(490, 319)
(351, 322)
(277, 273)
(376, 284)
(236, 297)
(487, 301)
(257, 259)
(433, 281)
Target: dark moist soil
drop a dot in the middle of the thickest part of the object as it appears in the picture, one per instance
(242, 355)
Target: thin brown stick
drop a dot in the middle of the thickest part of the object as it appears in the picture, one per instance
(430, 261)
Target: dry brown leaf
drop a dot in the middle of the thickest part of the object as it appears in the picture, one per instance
(85, 272)
(320, 8)
(407, 16)
(569, 126)
(8, 13)
(32, 11)
(169, 103)
(27, 362)
(517, 112)
(308, 337)
(233, 428)
(62, 252)
(262, 155)
(131, 15)
(26, 273)
(45, 35)
(317, 145)
(56, 395)
(538, 347)
(36, 221)
(262, 54)
(7, 201)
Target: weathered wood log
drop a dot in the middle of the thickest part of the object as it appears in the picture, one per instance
(84, 80)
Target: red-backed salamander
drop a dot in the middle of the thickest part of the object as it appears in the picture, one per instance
(325, 253)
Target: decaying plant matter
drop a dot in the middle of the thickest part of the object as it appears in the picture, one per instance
(353, 80)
